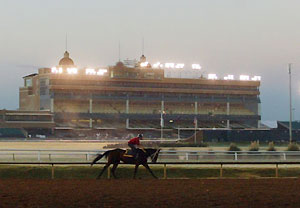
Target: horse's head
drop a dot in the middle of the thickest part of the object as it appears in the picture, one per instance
(153, 153)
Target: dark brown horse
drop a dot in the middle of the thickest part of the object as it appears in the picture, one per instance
(116, 155)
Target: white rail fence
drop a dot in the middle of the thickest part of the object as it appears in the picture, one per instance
(44, 155)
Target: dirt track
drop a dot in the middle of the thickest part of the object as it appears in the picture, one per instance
(151, 193)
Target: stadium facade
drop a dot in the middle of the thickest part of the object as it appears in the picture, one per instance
(138, 97)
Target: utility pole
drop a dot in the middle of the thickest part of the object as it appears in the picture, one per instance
(290, 92)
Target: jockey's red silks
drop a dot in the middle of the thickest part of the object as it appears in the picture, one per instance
(135, 141)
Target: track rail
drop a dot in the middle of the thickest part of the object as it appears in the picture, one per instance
(276, 163)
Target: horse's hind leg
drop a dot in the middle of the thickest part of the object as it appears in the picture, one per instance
(148, 168)
(104, 168)
(113, 169)
(135, 170)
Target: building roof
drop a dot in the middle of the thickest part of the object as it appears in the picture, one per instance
(30, 75)
(66, 60)
(269, 124)
(285, 124)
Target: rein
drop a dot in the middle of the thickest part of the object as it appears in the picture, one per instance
(155, 153)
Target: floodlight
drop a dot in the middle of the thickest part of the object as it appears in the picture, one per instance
(101, 72)
(156, 65)
(229, 77)
(90, 71)
(169, 65)
(244, 77)
(256, 78)
(179, 66)
(196, 66)
(72, 70)
(54, 70)
(144, 64)
(212, 76)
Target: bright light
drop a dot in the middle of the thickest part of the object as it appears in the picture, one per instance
(56, 71)
(72, 70)
(144, 64)
(256, 78)
(244, 77)
(179, 66)
(212, 76)
(196, 66)
(101, 72)
(229, 77)
(169, 65)
(90, 71)
(156, 65)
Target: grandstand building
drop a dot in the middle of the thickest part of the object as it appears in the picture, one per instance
(18, 123)
(138, 97)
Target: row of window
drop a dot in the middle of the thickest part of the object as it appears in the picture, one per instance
(152, 85)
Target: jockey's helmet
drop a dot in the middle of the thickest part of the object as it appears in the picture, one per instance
(140, 135)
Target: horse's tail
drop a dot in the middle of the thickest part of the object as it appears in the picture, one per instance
(99, 156)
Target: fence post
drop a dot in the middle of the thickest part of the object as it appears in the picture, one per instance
(235, 156)
(284, 156)
(276, 171)
(39, 156)
(88, 156)
(14, 157)
(108, 172)
(165, 171)
(221, 171)
(52, 171)
(187, 156)
(50, 157)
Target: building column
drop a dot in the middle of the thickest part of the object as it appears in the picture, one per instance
(162, 119)
(228, 113)
(127, 112)
(259, 113)
(52, 105)
(91, 111)
(91, 105)
(195, 122)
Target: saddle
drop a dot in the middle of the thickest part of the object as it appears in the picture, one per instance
(129, 152)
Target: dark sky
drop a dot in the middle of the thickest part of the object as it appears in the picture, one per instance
(255, 37)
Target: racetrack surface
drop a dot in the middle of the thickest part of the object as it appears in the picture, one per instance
(150, 193)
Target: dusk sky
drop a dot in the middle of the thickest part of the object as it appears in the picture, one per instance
(255, 37)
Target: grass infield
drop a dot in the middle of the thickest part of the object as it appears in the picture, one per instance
(86, 172)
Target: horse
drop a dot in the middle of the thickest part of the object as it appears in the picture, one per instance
(116, 155)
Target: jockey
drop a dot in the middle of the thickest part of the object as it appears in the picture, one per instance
(134, 143)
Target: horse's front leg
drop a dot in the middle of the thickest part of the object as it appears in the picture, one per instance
(148, 168)
(135, 170)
